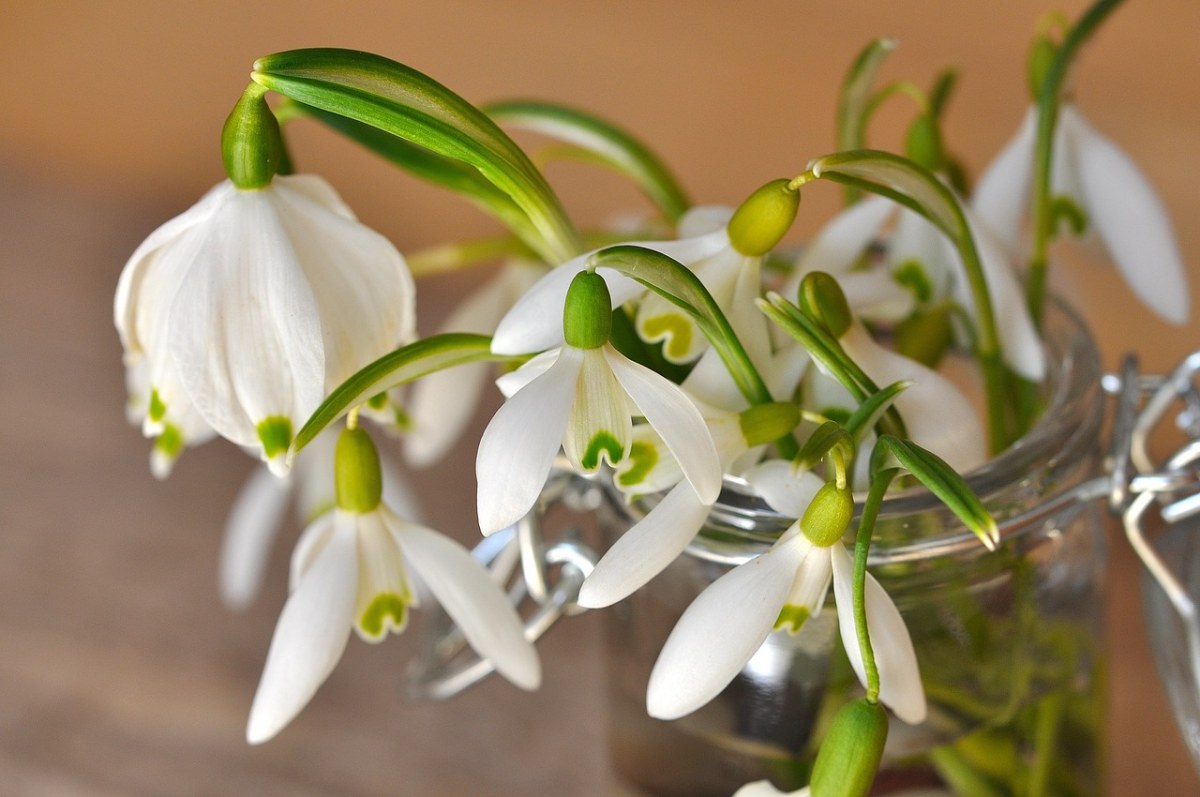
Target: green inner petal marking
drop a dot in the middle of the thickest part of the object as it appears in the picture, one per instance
(378, 401)
(602, 442)
(675, 329)
(387, 606)
(912, 275)
(275, 434)
(792, 618)
(644, 457)
(158, 408)
(1067, 212)
(170, 441)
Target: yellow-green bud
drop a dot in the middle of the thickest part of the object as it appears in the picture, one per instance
(925, 336)
(828, 516)
(587, 313)
(763, 423)
(357, 481)
(764, 218)
(923, 144)
(1041, 56)
(849, 757)
(251, 144)
(822, 299)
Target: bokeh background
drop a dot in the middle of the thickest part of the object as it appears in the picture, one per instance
(119, 671)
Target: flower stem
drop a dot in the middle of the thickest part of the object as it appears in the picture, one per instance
(880, 483)
(1049, 95)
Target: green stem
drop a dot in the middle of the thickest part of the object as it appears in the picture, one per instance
(1045, 738)
(1049, 96)
(862, 546)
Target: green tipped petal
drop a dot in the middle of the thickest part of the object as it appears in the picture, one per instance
(764, 218)
(275, 435)
(792, 618)
(357, 477)
(386, 612)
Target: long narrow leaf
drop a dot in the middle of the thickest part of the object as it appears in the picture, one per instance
(403, 102)
(395, 368)
(609, 144)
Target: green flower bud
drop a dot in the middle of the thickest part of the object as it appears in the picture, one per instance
(587, 313)
(251, 144)
(923, 144)
(357, 480)
(763, 423)
(822, 299)
(1041, 55)
(925, 336)
(828, 516)
(850, 755)
(764, 218)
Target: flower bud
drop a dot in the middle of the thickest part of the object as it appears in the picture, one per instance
(1041, 56)
(850, 755)
(764, 218)
(822, 299)
(587, 312)
(828, 515)
(763, 423)
(356, 475)
(923, 143)
(251, 144)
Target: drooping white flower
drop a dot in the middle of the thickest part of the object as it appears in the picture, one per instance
(780, 589)
(252, 304)
(441, 404)
(582, 396)
(918, 251)
(359, 567)
(1120, 205)
(258, 510)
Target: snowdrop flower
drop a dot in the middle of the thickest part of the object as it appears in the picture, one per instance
(1117, 199)
(358, 567)
(583, 396)
(259, 299)
(652, 543)
(441, 404)
(918, 253)
(258, 510)
(779, 590)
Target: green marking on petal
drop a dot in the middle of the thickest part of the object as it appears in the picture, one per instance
(644, 457)
(792, 618)
(275, 434)
(674, 329)
(602, 442)
(378, 401)
(170, 441)
(911, 274)
(387, 611)
(1067, 212)
(158, 407)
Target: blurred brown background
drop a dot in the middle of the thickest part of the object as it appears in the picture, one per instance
(119, 671)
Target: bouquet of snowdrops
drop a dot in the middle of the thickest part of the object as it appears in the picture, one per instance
(664, 358)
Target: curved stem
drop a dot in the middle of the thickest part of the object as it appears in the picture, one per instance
(862, 547)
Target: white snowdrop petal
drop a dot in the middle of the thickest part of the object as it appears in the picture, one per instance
(472, 599)
(720, 631)
(676, 419)
(646, 548)
(1003, 194)
(508, 384)
(842, 241)
(786, 489)
(253, 522)
(702, 220)
(599, 427)
(900, 687)
(308, 641)
(519, 444)
(1128, 215)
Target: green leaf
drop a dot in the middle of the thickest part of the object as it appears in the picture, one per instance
(395, 368)
(437, 169)
(608, 144)
(828, 436)
(898, 179)
(941, 480)
(855, 96)
(873, 408)
(401, 101)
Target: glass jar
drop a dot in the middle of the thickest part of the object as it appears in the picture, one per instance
(1008, 641)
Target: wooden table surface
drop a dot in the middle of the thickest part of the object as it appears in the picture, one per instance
(120, 673)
